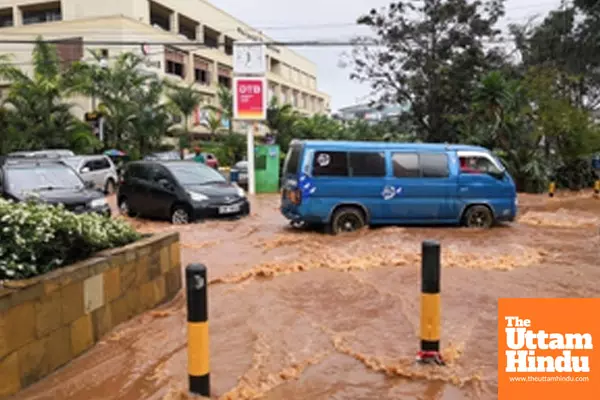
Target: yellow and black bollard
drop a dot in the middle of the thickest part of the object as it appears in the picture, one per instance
(551, 189)
(430, 304)
(597, 188)
(198, 345)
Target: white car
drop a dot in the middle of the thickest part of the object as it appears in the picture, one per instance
(97, 169)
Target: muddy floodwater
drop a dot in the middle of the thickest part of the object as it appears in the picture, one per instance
(301, 315)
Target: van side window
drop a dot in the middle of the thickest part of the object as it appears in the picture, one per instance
(434, 165)
(367, 164)
(330, 163)
(476, 165)
(406, 165)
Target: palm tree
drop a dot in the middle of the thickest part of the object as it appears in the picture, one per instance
(185, 99)
(36, 106)
(214, 123)
(224, 107)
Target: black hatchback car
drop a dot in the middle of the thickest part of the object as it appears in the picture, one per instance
(182, 191)
(51, 181)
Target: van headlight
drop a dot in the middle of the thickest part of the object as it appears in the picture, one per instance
(240, 192)
(197, 196)
(97, 203)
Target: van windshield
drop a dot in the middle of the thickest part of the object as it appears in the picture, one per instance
(292, 160)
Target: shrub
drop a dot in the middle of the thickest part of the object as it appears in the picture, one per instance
(36, 238)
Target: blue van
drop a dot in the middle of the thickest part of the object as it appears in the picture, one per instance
(347, 185)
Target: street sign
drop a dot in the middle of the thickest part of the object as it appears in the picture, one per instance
(249, 58)
(250, 98)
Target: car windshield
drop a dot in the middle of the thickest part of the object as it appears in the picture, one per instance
(192, 173)
(39, 178)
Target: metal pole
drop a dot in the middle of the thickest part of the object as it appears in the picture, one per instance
(430, 304)
(250, 152)
(198, 341)
(101, 129)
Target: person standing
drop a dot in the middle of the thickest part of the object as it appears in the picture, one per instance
(199, 157)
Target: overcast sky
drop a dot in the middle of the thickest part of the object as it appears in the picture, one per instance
(334, 19)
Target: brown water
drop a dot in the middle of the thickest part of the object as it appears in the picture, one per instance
(302, 315)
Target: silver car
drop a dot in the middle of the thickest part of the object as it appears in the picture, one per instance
(97, 169)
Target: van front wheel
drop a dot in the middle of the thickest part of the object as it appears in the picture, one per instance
(478, 217)
(347, 219)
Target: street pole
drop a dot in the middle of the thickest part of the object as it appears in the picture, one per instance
(250, 152)
(101, 129)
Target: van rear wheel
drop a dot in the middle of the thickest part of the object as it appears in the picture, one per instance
(478, 217)
(347, 219)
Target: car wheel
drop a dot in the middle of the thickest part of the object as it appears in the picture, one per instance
(110, 187)
(479, 217)
(347, 219)
(180, 216)
(125, 208)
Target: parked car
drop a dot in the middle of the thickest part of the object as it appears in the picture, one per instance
(52, 181)
(182, 191)
(163, 156)
(209, 159)
(53, 153)
(347, 185)
(242, 173)
(97, 169)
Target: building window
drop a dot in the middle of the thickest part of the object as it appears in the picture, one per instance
(228, 46)
(201, 76)
(175, 62)
(225, 81)
(188, 27)
(40, 13)
(275, 66)
(211, 37)
(175, 68)
(160, 16)
(6, 17)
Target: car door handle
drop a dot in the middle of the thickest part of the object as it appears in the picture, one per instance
(464, 188)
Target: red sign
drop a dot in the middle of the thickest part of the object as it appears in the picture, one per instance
(250, 99)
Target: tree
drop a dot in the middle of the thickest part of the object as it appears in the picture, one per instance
(214, 123)
(131, 100)
(185, 99)
(428, 56)
(35, 113)
(225, 106)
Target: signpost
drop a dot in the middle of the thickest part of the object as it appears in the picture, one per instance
(250, 94)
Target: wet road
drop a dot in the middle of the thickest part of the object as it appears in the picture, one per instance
(302, 315)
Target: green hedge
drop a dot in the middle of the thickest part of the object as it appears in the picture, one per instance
(36, 238)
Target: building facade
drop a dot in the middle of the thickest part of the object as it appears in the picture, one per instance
(370, 113)
(292, 78)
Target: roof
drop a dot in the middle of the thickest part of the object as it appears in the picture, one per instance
(388, 145)
(28, 162)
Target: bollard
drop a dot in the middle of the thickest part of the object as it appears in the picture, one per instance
(551, 189)
(430, 304)
(197, 308)
(597, 188)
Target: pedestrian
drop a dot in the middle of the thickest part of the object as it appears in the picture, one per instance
(198, 157)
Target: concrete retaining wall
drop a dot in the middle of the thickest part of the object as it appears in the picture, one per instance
(49, 320)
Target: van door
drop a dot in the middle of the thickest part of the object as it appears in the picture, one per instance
(422, 187)
(366, 178)
(482, 181)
